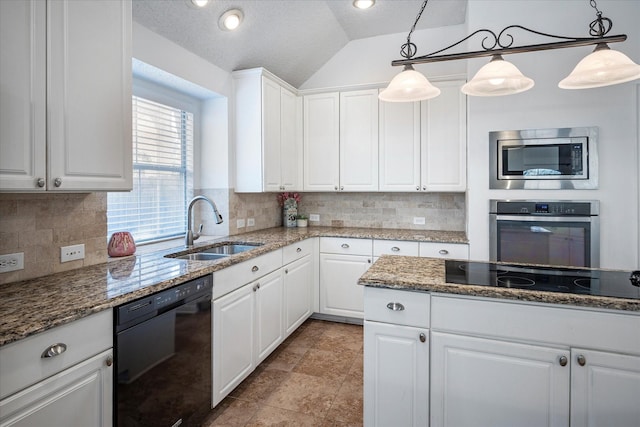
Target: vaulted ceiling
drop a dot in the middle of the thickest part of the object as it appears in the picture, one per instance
(291, 38)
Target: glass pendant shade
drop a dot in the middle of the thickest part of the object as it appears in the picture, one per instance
(409, 86)
(497, 78)
(602, 67)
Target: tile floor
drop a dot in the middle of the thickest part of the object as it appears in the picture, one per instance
(313, 379)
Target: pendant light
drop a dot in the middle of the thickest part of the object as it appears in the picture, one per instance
(602, 67)
(497, 78)
(409, 86)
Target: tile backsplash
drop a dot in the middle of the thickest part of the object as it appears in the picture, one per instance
(38, 224)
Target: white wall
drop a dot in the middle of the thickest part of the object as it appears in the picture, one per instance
(613, 109)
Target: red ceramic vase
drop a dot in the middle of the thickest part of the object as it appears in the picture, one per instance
(121, 244)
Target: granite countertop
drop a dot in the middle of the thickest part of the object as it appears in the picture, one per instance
(428, 275)
(35, 305)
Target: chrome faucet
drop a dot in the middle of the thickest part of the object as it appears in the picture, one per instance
(190, 236)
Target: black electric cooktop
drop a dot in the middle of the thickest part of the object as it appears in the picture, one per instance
(607, 283)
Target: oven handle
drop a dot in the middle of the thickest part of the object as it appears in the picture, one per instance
(533, 218)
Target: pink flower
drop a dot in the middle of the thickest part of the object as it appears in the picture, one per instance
(282, 197)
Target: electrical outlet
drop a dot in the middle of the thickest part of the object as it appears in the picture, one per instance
(71, 253)
(251, 222)
(418, 220)
(11, 262)
(314, 217)
(240, 223)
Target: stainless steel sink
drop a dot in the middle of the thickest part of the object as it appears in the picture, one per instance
(201, 256)
(230, 249)
(221, 251)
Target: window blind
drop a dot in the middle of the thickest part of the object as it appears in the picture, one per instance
(162, 174)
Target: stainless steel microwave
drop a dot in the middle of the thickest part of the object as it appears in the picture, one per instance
(562, 158)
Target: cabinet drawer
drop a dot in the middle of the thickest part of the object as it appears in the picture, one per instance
(296, 251)
(340, 245)
(444, 250)
(411, 308)
(22, 364)
(395, 247)
(232, 278)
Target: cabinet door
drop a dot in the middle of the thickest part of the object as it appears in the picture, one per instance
(605, 389)
(340, 293)
(269, 326)
(271, 135)
(321, 142)
(298, 281)
(359, 140)
(89, 95)
(23, 103)
(444, 139)
(233, 336)
(290, 141)
(481, 382)
(396, 375)
(79, 396)
(399, 146)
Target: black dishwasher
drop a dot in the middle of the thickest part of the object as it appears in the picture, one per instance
(163, 357)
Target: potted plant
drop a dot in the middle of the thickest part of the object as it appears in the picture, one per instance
(289, 203)
(302, 220)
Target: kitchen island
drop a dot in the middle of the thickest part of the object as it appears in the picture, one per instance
(443, 353)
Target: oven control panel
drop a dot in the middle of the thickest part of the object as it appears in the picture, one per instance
(550, 208)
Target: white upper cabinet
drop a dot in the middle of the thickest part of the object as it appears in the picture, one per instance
(341, 141)
(267, 133)
(423, 144)
(66, 112)
(444, 139)
(322, 142)
(359, 140)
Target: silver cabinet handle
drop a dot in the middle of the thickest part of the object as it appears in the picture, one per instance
(256, 287)
(395, 249)
(443, 252)
(395, 306)
(335, 188)
(40, 182)
(254, 268)
(344, 246)
(109, 360)
(369, 261)
(342, 188)
(286, 271)
(299, 250)
(57, 182)
(563, 360)
(418, 187)
(423, 337)
(424, 188)
(581, 360)
(54, 350)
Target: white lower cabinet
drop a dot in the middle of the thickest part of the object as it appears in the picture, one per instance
(340, 294)
(61, 377)
(298, 300)
(396, 375)
(78, 396)
(247, 327)
(481, 382)
(605, 389)
(396, 358)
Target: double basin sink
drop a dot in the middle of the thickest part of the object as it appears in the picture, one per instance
(216, 252)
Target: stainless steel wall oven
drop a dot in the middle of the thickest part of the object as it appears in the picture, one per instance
(163, 357)
(545, 232)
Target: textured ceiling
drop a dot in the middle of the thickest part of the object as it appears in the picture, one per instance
(291, 38)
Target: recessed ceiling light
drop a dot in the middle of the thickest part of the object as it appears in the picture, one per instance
(198, 3)
(363, 4)
(231, 19)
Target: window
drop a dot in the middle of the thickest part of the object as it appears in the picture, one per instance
(162, 174)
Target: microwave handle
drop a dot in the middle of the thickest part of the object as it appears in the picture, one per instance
(535, 218)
